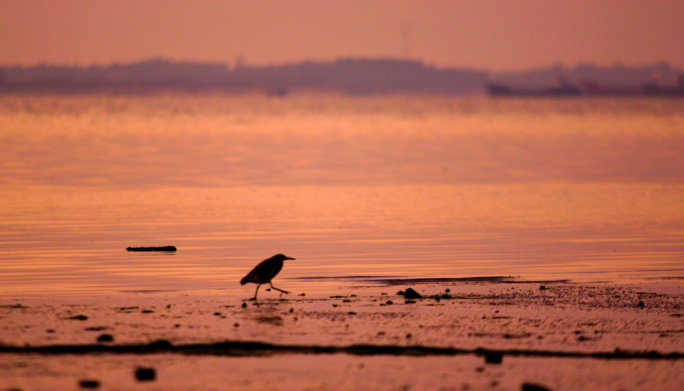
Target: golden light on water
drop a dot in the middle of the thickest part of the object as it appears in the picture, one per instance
(350, 186)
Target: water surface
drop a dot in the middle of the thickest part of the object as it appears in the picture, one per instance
(406, 187)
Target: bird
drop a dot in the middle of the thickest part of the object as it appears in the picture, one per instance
(264, 272)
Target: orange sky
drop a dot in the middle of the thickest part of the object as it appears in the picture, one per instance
(489, 34)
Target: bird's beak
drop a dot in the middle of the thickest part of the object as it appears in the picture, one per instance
(290, 258)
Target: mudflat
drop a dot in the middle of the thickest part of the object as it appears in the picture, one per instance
(477, 334)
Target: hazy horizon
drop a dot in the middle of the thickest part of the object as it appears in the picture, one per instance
(489, 35)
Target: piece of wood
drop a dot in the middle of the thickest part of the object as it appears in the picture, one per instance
(165, 248)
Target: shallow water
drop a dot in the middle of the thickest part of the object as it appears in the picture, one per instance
(409, 187)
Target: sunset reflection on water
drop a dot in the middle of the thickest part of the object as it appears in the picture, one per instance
(587, 190)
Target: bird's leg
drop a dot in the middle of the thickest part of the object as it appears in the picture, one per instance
(271, 284)
(255, 293)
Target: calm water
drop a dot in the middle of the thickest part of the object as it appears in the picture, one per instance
(580, 189)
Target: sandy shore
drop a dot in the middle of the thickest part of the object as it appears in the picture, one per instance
(564, 337)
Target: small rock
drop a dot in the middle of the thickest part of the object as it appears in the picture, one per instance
(641, 304)
(217, 314)
(389, 302)
(400, 293)
(493, 358)
(409, 302)
(291, 310)
(541, 288)
(50, 331)
(302, 294)
(89, 383)
(244, 305)
(105, 338)
(147, 311)
(236, 325)
(533, 387)
(78, 317)
(268, 289)
(408, 336)
(447, 290)
(145, 374)
(410, 293)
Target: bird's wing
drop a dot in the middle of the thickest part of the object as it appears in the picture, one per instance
(263, 272)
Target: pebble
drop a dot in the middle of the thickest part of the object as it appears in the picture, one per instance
(534, 387)
(88, 383)
(493, 358)
(105, 338)
(641, 304)
(145, 374)
(410, 293)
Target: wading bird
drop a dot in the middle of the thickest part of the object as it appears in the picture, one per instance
(264, 273)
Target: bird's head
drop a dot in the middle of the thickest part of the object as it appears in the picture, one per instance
(282, 257)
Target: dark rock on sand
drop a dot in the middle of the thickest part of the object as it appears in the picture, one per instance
(244, 305)
(400, 293)
(78, 317)
(541, 288)
(145, 374)
(88, 383)
(533, 387)
(105, 338)
(493, 358)
(412, 294)
(641, 304)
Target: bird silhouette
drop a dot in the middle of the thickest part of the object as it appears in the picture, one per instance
(264, 273)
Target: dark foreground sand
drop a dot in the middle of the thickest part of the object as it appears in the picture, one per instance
(565, 337)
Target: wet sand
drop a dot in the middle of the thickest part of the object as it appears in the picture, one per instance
(565, 337)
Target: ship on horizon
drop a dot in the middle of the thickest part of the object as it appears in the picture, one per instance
(566, 88)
